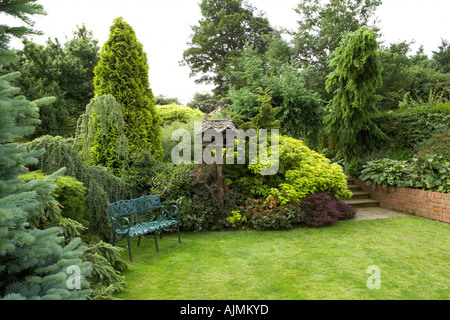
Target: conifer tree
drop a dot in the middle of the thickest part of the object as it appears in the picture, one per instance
(266, 117)
(354, 80)
(33, 262)
(123, 73)
(101, 137)
(22, 10)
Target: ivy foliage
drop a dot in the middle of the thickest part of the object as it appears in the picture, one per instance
(355, 77)
(123, 73)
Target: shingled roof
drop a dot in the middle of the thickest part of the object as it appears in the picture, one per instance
(219, 125)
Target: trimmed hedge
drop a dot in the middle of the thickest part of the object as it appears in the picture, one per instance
(410, 126)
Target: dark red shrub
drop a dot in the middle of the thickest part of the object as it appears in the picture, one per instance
(322, 209)
(344, 211)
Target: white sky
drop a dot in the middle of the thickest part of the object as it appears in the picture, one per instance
(163, 27)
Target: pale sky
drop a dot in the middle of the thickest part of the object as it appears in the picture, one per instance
(163, 27)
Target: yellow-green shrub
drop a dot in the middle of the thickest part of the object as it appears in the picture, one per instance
(302, 171)
(174, 112)
(70, 193)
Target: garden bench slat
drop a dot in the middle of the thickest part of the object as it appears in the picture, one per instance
(121, 212)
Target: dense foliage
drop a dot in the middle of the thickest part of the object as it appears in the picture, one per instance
(103, 187)
(123, 73)
(302, 171)
(175, 112)
(101, 136)
(322, 209)
(415, 122)
(429, 171)
(321, 26)
(70, 194)
(354, 80)
(226, 27)
(64, 71)
(299, 110)
(33, 262)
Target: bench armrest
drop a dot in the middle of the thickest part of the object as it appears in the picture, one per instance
(171, 212)
(121, 224)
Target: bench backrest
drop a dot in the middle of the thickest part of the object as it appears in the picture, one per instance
(146, 203)
(124, 208)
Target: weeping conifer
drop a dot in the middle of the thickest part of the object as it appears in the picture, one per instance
(355, 78)
(123, 73)
(100, 135)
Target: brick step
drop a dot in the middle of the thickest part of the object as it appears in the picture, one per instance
(362, 203)
(360, 195)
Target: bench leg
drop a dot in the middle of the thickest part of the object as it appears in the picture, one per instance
(129, 248)
(156, 242)
(178, 231)
(139, 241)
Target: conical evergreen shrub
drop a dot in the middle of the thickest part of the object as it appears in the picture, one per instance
(123, 73)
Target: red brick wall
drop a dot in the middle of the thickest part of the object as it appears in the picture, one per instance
(427, 204)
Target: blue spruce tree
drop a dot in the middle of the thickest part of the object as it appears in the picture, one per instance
(34, 264)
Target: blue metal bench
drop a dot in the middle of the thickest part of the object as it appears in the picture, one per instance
(124, 223)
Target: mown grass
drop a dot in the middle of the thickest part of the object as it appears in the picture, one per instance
(412, 253)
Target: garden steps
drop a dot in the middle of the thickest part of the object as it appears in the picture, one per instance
(360, 195)
(359, 199)
(362, 203)
(354, 187)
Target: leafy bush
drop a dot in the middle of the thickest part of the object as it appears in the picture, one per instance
(322, 209)
(203, 200)
(429, 171)
(143, 168)
(387, 172)
(408, 127)
(101, 184)
(174, 112)
(211, 200)
(236, 220)
(302, 171)
(438, 144)
(169, 128)
(270, 215)
(70, 193)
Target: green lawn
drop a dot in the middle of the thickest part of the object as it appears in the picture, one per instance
(412, 253)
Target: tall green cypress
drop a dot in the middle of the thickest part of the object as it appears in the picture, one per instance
(123, 73)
